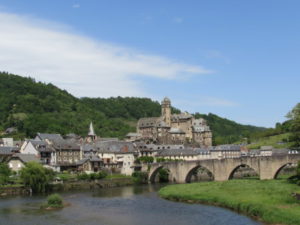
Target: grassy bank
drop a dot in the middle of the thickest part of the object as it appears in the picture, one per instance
(271, 201)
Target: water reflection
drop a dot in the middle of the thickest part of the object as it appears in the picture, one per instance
(136, 205)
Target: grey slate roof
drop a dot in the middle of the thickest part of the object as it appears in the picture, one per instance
(51, 137)
(5, 150)
(282, 151)
(226, 148)
(114, 147)
(66, 144)
(178, 152)
(36, 143)
(26, 157)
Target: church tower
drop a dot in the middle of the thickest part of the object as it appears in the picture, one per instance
(92, 136)
(166, 111)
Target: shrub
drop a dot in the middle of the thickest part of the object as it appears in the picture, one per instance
(101, 175)
(54, 200)
(5, 172)
(83, 176)
(36, 177)
(140, 177)
(145, 159)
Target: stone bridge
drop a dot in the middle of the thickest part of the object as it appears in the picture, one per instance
(267, 167)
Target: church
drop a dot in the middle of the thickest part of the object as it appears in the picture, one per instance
(174, 128)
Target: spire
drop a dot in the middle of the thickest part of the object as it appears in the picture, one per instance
(91, 130)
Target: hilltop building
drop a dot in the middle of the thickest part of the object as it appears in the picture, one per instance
(174, 128)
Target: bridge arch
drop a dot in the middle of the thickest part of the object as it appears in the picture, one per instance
(194, 169)
(278, 170)
(236, 168)
(154, 173)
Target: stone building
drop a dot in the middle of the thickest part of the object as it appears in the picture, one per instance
(174, 128)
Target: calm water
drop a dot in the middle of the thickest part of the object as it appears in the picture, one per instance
(116, 206)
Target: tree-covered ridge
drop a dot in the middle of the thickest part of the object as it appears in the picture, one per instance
(227, 131)
(37, 107)
(126, 107)
(33, 107)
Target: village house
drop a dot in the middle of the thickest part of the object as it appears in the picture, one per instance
(41, 149)
(188, 154)
(18, 161)
(117, 155)
(67, 153)
(225, 151)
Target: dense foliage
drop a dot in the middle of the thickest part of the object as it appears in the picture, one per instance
(294, 117)
(163, 175)
(92, 176)
(37, 177)
(127, 108)
(145, 159)
(226, 131)
(5, 172)
(54, 201)
(33, 107)
(140, 177)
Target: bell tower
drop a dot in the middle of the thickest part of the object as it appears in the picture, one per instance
(166, 111)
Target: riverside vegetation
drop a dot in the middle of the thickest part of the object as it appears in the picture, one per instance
(272, 201)
(54, 201)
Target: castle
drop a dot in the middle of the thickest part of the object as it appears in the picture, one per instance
(174, 128)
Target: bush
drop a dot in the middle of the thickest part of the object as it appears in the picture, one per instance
(92, 176)
(83, 176)
(36, 177)
(5, 172)
(145, 159)
(55, 200)
(101, 175)
(140, 177)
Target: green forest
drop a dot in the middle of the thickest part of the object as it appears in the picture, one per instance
(33, 107)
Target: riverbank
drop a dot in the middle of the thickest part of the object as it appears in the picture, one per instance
(72, 185)
(95, 184)
(270, 201)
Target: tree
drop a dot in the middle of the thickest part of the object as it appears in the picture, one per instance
(5, 172)
(294, 116)
(36, 177)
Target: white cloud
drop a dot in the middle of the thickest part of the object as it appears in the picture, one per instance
(76, 5)
(85, 67)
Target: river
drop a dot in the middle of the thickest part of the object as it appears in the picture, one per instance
(132, 205)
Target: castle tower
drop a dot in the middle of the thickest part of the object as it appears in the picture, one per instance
(91, 133)
(166, 111)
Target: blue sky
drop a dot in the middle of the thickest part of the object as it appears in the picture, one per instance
(237, 59)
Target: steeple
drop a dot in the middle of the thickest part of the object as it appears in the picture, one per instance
(92, 132)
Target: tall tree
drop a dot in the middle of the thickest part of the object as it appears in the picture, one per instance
(294, 116)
